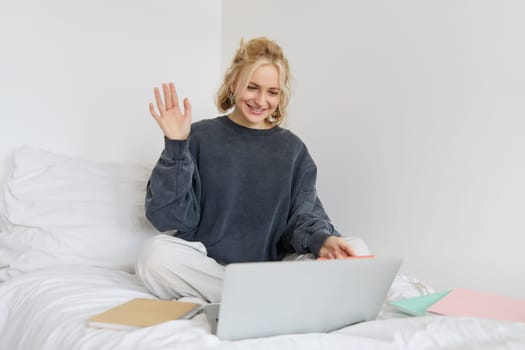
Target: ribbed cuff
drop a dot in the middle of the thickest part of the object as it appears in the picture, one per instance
(176, 149)
(316, 241)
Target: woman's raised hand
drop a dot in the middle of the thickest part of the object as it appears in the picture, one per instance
(175, 124)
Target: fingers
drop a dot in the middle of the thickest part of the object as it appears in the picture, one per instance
(174, 97)
(343, 250)
(167, 96)
(331, 254)
(337, 248)
(337, 254)
(187, 108)
(347, 249)
(170, 100)
(158, 99)
(153, 112)
(170, 97)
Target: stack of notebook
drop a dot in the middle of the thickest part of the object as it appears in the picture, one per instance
(464, 302)
(141, 312)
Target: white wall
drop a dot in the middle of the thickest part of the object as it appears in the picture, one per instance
(76, 77)
(414, 112)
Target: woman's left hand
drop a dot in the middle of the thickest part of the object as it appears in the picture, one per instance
(335, 248)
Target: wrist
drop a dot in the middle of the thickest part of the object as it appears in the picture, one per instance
(176, 149)
(176, 136)
(316, 241)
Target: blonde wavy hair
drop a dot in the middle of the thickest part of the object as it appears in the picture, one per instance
(250, 56)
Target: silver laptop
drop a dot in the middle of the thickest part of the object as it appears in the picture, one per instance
(289, 297)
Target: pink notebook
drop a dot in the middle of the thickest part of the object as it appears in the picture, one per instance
(471, 303)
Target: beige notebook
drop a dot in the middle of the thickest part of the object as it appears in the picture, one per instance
(141, 312)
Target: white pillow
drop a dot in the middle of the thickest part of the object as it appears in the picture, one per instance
(59, 209)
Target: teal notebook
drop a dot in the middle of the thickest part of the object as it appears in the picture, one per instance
(418, 306)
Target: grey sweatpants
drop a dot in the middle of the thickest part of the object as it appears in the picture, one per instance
(172, 268)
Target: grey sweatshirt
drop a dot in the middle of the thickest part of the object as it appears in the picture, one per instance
(246, 194)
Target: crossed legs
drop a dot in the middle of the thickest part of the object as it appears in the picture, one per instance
(172, 268)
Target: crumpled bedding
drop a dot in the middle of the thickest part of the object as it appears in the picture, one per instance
(48, 309)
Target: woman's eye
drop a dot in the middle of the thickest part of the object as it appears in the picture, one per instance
(274, 93)
(252, 88)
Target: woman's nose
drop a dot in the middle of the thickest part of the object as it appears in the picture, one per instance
(259, 98)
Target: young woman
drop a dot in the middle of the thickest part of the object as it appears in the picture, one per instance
(235, 188)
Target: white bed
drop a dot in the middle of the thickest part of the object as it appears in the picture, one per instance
(70, 231)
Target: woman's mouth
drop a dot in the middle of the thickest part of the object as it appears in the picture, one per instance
(256, 110)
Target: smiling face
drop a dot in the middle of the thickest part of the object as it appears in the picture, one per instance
(259, 100)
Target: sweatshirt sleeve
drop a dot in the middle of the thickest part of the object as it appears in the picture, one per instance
(173, 190)
(308, 224)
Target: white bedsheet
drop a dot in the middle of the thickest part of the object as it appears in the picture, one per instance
(48, 309)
